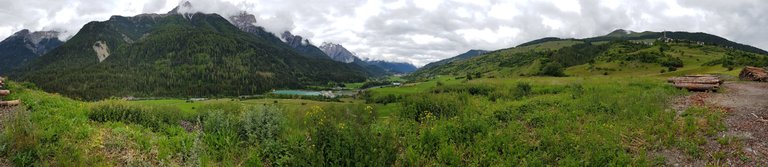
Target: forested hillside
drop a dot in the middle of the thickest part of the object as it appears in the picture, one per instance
(175, 55)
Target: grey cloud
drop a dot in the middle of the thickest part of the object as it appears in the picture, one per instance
(455, 26)
(154, 6)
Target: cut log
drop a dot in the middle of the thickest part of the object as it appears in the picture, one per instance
(5, 92)
(10, 103)
(753, 74)
(700, 80)
(696, 82)
(697, 86)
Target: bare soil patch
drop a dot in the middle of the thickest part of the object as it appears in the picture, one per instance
(746, 105)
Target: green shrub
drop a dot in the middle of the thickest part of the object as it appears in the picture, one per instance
(672, 69)
(220, 134)
(472, 89)
(345, 137)
(672, 62)
(386, 99)
(440, 105)
(263, 123)
(521, 90)
(553, 69)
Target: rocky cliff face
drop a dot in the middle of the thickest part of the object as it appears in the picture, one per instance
(247, 22)
(338, 53)
(303, 46)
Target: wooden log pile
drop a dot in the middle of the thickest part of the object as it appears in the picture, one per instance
(753, 74)
(6, 93)
(697, 82)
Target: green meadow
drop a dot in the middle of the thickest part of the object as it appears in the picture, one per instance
(446, 121)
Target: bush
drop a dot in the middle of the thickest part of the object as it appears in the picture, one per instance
(386, 99)
(338, 139)
(440, 105)
(672, 62)
(553, 69)
(263, 123)
(220, 134)
(522, 89)
(483, 90)
(672, 69)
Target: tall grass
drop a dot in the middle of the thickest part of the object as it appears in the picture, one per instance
(122, 111)
(526, 122)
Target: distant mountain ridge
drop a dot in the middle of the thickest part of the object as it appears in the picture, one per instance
(24, 46)
(339, 53)
(393, 67)
(463, 56)
(177, 55)
(621, 34)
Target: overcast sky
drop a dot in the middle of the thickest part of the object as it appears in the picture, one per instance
(422, 31)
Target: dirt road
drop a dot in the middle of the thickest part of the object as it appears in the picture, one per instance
(747, 105)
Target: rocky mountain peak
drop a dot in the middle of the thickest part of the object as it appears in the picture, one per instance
(182, 8)
(620, 32)
(38, 36)
(338, 52)
(21, 33)
(24, 46)
(34, 38)
(243, 20)
(293, 40)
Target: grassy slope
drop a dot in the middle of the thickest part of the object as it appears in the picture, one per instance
(491, 65)
(480, 63)
(693, 58)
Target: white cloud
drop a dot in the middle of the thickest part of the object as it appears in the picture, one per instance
(421, 31)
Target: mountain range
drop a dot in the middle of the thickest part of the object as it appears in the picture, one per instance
(24, 46)
(336, 52)
(339, 53)
(177, 54)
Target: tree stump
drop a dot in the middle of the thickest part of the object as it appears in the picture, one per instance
(753, 74)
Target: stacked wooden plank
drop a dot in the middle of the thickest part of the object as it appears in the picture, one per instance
(6, 93)
(753, 74)
(697, 82)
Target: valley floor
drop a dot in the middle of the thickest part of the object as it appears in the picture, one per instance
(447, 121)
